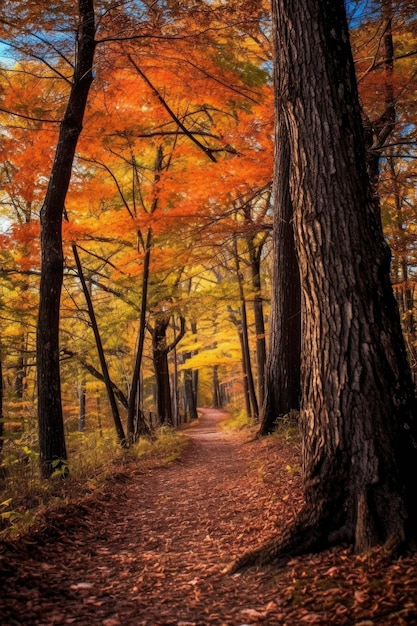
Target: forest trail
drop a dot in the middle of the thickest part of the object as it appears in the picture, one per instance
(150, 550)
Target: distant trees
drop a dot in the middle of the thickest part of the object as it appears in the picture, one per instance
(130, 227)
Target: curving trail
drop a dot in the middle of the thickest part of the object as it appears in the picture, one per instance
(150, 549)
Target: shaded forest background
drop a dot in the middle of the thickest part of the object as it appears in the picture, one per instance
(168, 218)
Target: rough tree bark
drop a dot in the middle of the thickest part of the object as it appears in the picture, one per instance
(358, 406)
(52, 447)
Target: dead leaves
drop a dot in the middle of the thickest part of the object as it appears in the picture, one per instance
(150, 553)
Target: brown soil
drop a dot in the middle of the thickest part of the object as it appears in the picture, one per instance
(150, 549)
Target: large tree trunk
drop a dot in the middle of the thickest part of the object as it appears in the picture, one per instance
(358, 406)
(282, 386)
(52, 447)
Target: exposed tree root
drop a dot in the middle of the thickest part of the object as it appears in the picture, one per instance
(306, 535)
(310, 533)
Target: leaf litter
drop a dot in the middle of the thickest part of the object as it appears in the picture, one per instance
(150, 550)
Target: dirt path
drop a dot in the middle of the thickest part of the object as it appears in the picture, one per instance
(151, 551)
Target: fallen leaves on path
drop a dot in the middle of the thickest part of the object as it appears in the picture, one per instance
(149, 550)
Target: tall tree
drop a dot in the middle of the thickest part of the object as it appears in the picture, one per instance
(358, 407)
(52, 447)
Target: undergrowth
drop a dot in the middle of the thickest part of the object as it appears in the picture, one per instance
(237, 420)
(287, 427)
(93, 459)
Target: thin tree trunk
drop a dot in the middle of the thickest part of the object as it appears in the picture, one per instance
(53, 454)
(195, 372)
(255, 265)
(100, 350)
(217, 402)
(378, 131)
(81, 405)
(190, 403)
(176, 418)
(20, 371)
(405, 290)
(246, 391)
(140, 428)
(246, 357)
(99, 421)
(283, 368)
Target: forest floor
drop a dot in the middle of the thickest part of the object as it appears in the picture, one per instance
(150, 547)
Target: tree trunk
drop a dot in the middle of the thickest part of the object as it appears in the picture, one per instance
(140, 428)
(194, 377)
(246, 391)
(190, 399)
(160, 351)
(100, 350)
(176, 417)
(358, 407)
(160, 362)
(217, 398)
(402, 251)
(255, 264)
(52, 447)
(20, 371)
(283, 368)
(244, 339)
(81, 405)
